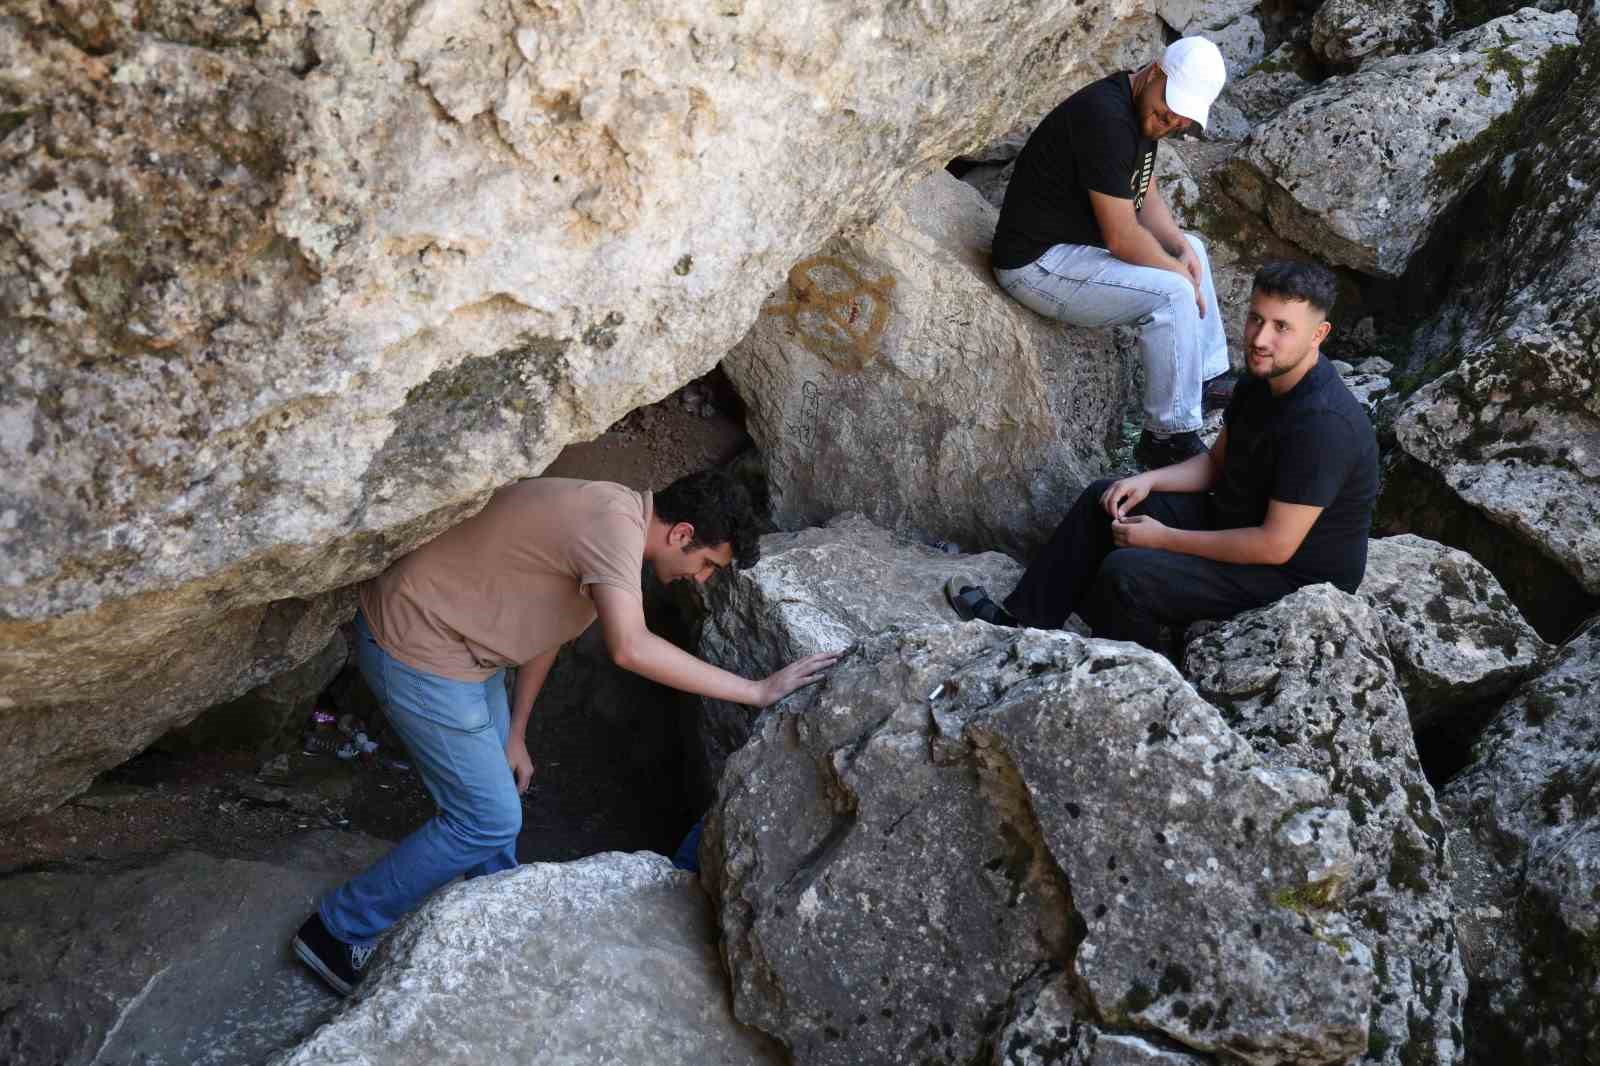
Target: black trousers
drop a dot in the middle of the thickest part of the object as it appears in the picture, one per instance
(1129, 593)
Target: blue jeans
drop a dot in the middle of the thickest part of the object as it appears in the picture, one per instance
(1088, 286)
(456, 732)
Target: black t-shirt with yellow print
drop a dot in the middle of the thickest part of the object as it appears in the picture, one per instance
(1091, 141)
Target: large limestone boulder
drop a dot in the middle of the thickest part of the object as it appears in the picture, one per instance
(822, 590)
(890, 375)
(182, 960)
(1345, 33)
(292, 291)
(1513, 432)
(962, 806)
(1359, 170)
(1276, 81)
(1309, 684)
(611, 959)
(1048, 1029)
(1501, 454)
(1455, 640)
(1525, 823)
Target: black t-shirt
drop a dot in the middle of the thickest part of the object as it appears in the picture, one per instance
(1091, 141)
(1315, 445)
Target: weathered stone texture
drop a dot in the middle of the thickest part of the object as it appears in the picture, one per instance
(1348, 32)
(1455, 639)
(1308, 682)
(822, 590)
(293, 291)
(611, 959)
(1359, 170)
(1525, 823)
(891, 376)
(961, 806)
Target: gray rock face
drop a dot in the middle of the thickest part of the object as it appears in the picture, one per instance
(1406, 137)
(611, 959)
(291, 294)
(962, 805)
(1348, 32)
(1514, 431)
(1309, 684)
(1047, 1031)
(1527, 814)
(822, 590)
(1455, 639)
(182, 961)
(1274, 83)
(891, 376)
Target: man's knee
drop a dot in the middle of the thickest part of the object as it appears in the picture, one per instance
(492, 825)
(1195, 242)
(1128, 573)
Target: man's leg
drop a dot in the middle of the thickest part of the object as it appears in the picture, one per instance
(1088, 286)
(1137, 590)
(1057, 579)
(451, 732)
(494, 695)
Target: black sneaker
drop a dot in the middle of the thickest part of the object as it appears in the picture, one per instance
(972, 601)
(336, 962)
(1218, 391)
(1154, 452)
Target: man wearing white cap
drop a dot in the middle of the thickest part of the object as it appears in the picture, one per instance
(1085, 237)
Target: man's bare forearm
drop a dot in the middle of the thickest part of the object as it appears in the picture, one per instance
(665, 663)
(530, 680)
(1139, 246)
(1157, 219)
(1248, 545)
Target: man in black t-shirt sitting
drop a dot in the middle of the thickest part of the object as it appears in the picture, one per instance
(1085, 237)
(1283, 498)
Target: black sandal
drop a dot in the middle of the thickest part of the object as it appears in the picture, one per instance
(973, 601)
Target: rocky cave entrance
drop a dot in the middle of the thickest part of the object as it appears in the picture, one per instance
(616, 755)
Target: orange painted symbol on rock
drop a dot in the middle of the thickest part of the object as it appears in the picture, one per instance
(835, 311)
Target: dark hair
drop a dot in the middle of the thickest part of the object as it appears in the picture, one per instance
(719, 507)
(1291, 279)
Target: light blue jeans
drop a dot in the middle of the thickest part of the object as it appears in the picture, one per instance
(1088, 286)
(456, 732)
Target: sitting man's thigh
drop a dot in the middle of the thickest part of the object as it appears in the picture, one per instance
(1177, 589)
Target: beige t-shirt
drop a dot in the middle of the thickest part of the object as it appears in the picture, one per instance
(511, 582)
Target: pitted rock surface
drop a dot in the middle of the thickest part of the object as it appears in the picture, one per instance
(822, 590)
(1308, 682)
(961, 806)
(1046, 1031)
(292, 291)
(890, 375)
(1526, 831)
(1455, 639)
(611, 959)
(1272, 84)
(1348, 32)
(1359, 170)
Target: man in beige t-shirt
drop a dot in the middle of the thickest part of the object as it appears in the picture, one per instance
(507, 588)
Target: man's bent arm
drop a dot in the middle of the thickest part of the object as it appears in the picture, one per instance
(1127, 239)
(1272, 543)
(1156, 217)
(530, 679)
(637, 650)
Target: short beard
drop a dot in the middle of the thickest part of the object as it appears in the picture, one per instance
(1275, 371)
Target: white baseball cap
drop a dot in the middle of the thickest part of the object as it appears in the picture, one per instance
(1195, 75)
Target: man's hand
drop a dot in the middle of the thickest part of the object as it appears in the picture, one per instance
(521, 764)
(1125, 495)
(797, 674)
(1138, 531)
(1191, 266)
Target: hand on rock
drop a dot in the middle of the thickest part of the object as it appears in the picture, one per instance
(796, 675)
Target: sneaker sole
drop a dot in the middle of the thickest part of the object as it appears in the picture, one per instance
(309, 957)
